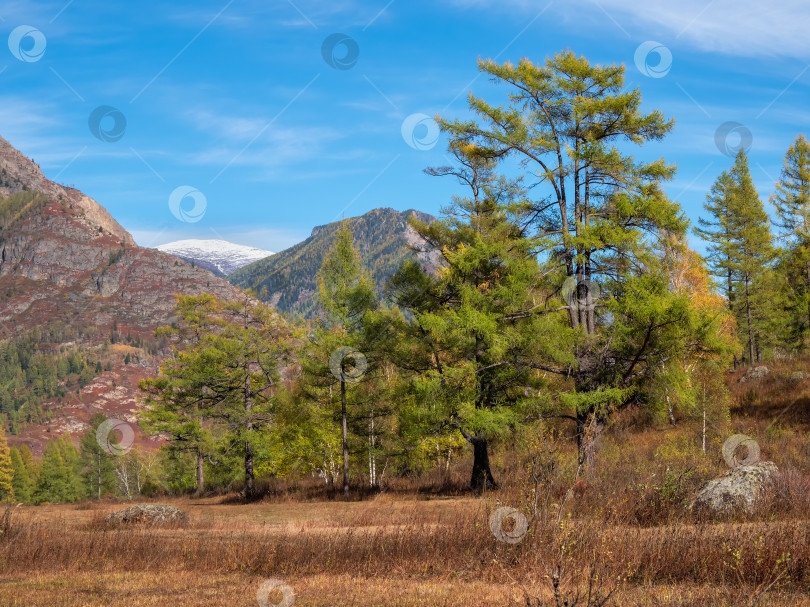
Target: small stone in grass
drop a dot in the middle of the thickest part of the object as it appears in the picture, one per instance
(148, 514)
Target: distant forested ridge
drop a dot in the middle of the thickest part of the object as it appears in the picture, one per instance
(287, 279)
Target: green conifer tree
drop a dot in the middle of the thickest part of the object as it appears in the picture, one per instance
(752, 253)
(230, 376)
(477, 336)
(716, 230)
(98, 464)
(59, 475)
(22, 479)
(740, 255)
(6, 471)
(346, 294)
(176, 398)
(52, 484)
(29, 462)
(791, 198)
(597, 214)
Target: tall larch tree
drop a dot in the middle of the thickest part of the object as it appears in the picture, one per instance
(232, 375)
(340, 357)
(176, 398)
(791, 198)
(22, 479)
(752, 253)
(6, 471)
(478, 333)
(30, 463)
(716, 231)
(59, 477)
(98, 464)
(596, 213)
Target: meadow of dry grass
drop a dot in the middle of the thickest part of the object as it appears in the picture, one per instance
(625, 530)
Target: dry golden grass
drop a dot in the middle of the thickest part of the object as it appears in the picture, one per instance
(389, 551)
(626, 526)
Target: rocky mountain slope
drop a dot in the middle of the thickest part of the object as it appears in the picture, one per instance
(219, 256)
(288, 280)
(73, 275)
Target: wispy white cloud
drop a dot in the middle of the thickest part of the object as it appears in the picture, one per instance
(275, 151)
(29, 126)
(746, 28)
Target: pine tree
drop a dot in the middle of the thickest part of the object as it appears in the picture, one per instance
(700, 387)
(6, 471)
(791, 198)
(22, 479)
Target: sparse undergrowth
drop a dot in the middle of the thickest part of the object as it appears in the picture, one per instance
(625, 528)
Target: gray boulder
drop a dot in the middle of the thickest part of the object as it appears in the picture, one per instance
(148, 514)
(756, 374)
(737, 490)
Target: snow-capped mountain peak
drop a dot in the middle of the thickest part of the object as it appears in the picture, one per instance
(219, 256)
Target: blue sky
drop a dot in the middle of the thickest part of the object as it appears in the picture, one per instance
(238, 101)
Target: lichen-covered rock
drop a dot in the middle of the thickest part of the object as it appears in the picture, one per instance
(148, 514)
(756, 374)
(737, 490)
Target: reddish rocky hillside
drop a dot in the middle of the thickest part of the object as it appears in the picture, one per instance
(64, 261)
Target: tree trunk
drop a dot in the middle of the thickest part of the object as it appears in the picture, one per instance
(345, 438)
(731, 303)
(586, 219)
(750, 323)
(99, 474)
(200, 474)
(250, 483)
(372, 459)
(481, 473)
(808, 299)
(589, 427)
(704, 426)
